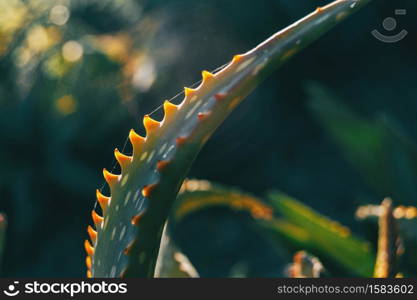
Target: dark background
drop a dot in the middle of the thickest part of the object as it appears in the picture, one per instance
(52, 152)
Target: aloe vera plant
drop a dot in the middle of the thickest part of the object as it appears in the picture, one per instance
(126, 237)
(196, 195)
(284, 221)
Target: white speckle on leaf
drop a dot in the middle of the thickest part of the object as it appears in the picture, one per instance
(245, 64)
(151, 156)
(192, 110)
(113, 233)
(124, 179)
(122, 233)
(113, 271)
(136, 197)
(162, 149)
(106, 221)
(127, 197)
(143, 156)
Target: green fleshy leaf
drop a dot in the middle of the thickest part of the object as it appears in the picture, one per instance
(151, 178)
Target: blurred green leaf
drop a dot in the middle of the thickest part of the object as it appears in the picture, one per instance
(303, 228)
(384, 156)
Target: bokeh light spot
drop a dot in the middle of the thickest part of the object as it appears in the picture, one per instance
(72, 51)
(66, 105)
(59, 15)
(145, 75)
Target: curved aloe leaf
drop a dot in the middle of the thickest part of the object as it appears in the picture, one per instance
(196, 195)
(171, 262)
(125, 240)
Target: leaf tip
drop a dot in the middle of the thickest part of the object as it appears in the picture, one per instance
(169, 109)
(88, 248)
(96, 218)
(123, 160)
(110, 178)
(189, 93)
(88, 262)
(102, 200)
(206, 75)
(150, 124)
(92, 234)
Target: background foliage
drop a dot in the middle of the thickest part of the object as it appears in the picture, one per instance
(334, 128)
